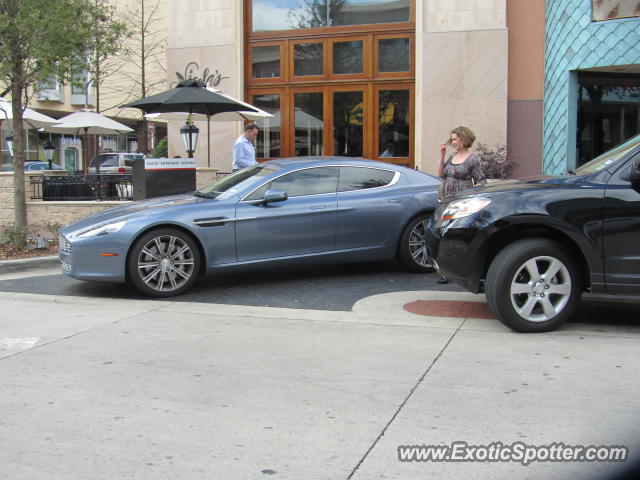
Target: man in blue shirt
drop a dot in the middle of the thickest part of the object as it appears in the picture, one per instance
(244, 155)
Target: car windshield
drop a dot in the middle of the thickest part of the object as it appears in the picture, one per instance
(237, 182)
(608, 157)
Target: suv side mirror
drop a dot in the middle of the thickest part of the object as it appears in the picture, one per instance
(271, 196)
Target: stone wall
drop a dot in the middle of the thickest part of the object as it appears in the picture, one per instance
(43, 213)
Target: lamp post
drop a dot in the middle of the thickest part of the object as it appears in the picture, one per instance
(189, 134)
(49, 148)
(9, 140)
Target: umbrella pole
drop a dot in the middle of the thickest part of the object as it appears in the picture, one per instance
(208, 141)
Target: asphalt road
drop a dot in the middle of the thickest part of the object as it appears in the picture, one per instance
(332, 287)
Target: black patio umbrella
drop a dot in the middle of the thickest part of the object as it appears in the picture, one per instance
(188, 96)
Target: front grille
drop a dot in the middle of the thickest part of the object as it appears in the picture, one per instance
(64, 245)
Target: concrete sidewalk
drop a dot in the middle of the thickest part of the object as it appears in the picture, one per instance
(105, 388)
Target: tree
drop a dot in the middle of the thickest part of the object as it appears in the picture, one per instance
(40, 39)
(142, 64)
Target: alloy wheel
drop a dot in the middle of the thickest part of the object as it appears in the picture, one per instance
(166, 263)
(540, 288)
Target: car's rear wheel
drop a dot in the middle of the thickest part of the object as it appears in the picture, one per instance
(413, 250)
(164, 262)
(533, 285)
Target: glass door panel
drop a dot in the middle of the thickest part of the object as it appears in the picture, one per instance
(394, 120)
(348, 123)
(308, 123)
(268, 141)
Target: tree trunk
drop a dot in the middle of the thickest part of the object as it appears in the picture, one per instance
(20, 213)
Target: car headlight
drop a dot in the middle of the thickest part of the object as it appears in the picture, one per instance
(100, 230)
(462, 208)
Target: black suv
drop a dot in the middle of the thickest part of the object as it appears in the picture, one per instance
(534, 245)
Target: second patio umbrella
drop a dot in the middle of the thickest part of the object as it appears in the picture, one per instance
(87, 122)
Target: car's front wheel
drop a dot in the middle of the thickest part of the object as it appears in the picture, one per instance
(413, 250)
(533, 285)
(164, 262)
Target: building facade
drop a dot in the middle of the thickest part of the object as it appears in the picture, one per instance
(592, 79)
(384, 79)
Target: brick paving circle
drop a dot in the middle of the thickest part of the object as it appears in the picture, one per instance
(449, 308)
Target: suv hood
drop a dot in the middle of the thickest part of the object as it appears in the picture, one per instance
(530, 183)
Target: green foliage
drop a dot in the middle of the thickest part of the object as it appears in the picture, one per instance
(162, 149)
(14, 236)
(494, 161)
(44, 38)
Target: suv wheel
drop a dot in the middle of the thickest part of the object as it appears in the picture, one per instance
(164, 262)
(412, 251)
(533, 285)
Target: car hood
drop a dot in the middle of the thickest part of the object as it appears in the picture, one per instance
(530, 183)
(137, 209)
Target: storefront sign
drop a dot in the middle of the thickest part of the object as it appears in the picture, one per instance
(209, 79)
(169, 163)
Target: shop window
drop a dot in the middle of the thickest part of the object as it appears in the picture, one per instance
(607, 113)
(265, 61)
(348, 57)
(393, 123)
(307, 59)
(610, 9)
(394, 55)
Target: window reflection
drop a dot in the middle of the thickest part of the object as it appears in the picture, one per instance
(268, 139)
(347, 57)
(357, 178)
(393, 123)
(307, 59)
(265, 61)
(393, 55)
(308, 124)
(269, 15)
(347, 124)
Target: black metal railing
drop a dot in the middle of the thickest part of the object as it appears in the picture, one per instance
(112, 187)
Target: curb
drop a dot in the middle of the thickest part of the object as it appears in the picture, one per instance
(25, 264)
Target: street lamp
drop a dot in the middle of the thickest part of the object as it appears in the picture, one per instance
(49, 148)
(189, 134)
(9, 140)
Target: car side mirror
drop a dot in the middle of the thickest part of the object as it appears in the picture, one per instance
(271, 196)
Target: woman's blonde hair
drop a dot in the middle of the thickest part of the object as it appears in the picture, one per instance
(466, 136)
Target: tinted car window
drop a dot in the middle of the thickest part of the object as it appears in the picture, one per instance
(357, 178)
(311, 181)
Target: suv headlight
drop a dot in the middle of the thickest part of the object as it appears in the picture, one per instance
(462, 208)
(101, 230)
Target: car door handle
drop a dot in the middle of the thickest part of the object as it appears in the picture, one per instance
(319, 207)
(394, 200)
